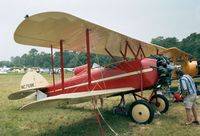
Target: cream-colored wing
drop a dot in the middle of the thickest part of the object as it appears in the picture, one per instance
(183, 59)
(73, 98)
(46, 29)
(176, 54)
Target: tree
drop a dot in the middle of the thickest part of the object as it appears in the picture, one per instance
(16, 61)
(166, 42)
(5, 63)
(191, 44)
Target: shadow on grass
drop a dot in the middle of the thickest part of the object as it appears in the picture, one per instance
(74, 108)
(90, 127)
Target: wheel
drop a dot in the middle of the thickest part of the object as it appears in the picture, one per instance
(141, 112)
(162, 104)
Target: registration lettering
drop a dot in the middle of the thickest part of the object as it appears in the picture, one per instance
(26, 86)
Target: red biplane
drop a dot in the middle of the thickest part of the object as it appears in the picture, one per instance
(135, 72)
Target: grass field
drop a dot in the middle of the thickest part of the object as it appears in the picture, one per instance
(79, 120)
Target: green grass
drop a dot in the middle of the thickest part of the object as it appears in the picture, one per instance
(79, 120)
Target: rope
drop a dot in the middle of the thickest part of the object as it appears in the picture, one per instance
(98, 120)
(116, 134)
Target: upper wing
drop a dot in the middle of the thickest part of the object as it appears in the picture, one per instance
(46, 29)
(176, 55)
(73, 98)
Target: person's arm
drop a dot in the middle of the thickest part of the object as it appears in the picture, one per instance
(183, 85)
(183, 88)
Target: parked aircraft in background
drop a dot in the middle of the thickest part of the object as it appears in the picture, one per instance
(4, 70)
(188, 64)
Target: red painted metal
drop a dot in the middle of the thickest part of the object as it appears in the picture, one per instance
(141, 81)
(125, 52)
(88, 58)
(110, 54)
(80, 69)
(125, 74)
(131, 49)
(52, 60)
(62, 64)
(99, 122)
(150, 96)
(123, 55)
(138, 52)
(157, 51)
(142, 52)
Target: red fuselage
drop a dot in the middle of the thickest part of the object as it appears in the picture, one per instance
(124, 74)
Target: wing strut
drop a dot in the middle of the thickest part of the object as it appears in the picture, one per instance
(89, 77)
(52, 62)
(62, 64)
(88, 57)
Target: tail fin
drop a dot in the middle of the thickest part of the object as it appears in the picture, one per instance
(30, 83)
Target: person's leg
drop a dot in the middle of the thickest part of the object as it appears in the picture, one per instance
(188, 102)
(194, 111)
(188, 116)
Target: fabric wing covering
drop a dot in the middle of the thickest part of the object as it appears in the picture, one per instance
(73, 98)
(175, 53)
(46, 29)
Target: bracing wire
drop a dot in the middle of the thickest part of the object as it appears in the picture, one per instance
(112, 130)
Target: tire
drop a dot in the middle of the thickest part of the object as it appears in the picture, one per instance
(163, 104)
(141, 112)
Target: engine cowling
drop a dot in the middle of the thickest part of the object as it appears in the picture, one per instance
(191, 68)
(164, 69)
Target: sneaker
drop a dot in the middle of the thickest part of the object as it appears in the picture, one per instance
(188, 123)
(196, 122)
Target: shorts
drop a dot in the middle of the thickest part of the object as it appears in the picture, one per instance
(190, 101)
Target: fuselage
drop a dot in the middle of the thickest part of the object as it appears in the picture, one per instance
(138, 74)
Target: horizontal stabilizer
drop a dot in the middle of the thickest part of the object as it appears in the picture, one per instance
(30, 83)
(73, 98)
(20, 94)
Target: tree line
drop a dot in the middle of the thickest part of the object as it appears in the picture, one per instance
(33, 58)
(190, 44)
(43, 60)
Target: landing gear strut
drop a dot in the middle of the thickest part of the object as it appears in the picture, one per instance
(121, 109)
(142, 111)
(160, 103)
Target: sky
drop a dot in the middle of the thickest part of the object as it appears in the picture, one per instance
(140, 19)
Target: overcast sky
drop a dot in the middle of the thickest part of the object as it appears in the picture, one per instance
(140, 19)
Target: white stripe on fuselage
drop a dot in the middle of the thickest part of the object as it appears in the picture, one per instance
(110, 78)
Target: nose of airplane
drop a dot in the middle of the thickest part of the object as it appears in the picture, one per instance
(164, 68)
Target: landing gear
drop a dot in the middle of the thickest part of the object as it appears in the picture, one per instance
(160, 102)
(141, 112)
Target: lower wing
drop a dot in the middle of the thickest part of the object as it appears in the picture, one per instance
(73, 98)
